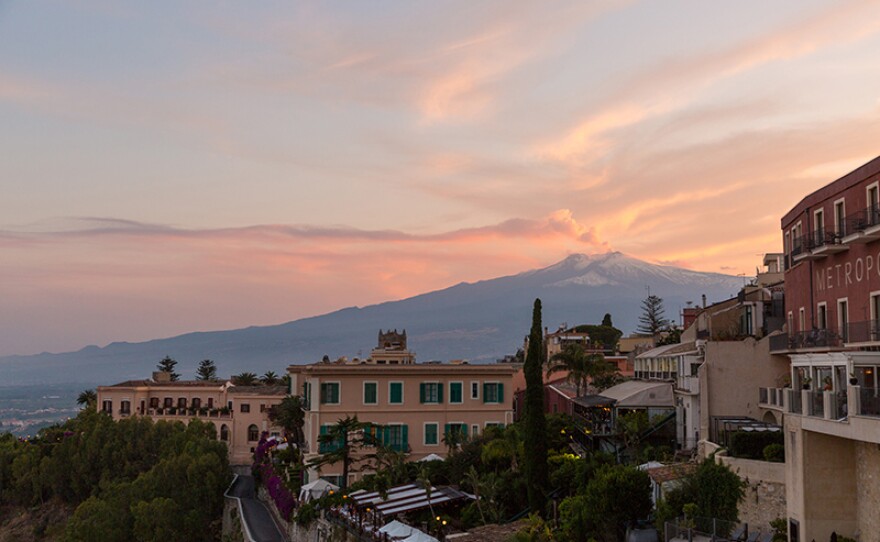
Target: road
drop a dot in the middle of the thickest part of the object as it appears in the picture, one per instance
(257, 516)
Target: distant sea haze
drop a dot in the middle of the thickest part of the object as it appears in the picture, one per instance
(480, 322)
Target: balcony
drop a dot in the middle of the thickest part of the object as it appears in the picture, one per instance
(688, 384)
(863, 226)
(772, 398)
(869, 402)
(178, 413)
(801, 249)
(815, 339)
(867, 331)
(824, 243)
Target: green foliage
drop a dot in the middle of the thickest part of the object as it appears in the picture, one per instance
(751, 444)
(290, 416)
(245, 379)
(780, 529)
(580, 365)
(604, 336)
(88, 398)
(537, 530)
(713, 488)
(207, 370)
(306, 514)
(774, 452)
(341, 441)
(652, 319)
(167, 365)
(535, 441)
(616, 496)
(122, 475)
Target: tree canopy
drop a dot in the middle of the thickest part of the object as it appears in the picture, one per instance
(207, 370)
(167, 365)
(534, 422)
(652, 319)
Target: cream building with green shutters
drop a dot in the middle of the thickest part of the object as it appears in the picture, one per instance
(410, 407)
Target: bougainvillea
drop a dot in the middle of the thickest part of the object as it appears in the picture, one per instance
(281, 495)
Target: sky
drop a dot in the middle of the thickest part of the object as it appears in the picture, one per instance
(168, 167)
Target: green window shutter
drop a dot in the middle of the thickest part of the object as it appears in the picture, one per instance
(455, 392)
(500, 392)
(422, 392)
(396, 394)
(485, 389)
(431, 433)
(334, 391)
(404, 439)
(370, 395)
(446, 429)
(440, 392)
(386, 435)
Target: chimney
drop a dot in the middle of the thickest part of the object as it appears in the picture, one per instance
(161, 376)
(704, 301)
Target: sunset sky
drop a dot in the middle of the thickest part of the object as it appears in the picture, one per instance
(168, 167)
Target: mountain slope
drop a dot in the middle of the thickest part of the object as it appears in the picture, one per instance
(478, 321)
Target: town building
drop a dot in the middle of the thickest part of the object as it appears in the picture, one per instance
(239, 413)
(832, 409)
(411, 407)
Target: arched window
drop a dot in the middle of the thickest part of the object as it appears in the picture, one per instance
(253, 433)
(224, 433)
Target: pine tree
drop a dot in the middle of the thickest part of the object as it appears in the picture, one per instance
(167, 366)
(607, 320)
(535, 424)
(652, 320)
(207, 370)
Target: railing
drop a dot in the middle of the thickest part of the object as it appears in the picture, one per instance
(822, 238)
(839, 406)
(771, 396)
(862, 220)
(779, 343)
(186, 413)
(869, 404)
(688, 383)
(795, 405)
(863, 332)
(799, 245)
(815, 338)
(817, 404)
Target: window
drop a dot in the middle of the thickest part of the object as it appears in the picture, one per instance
(397, 438)
(245, 407)
(253, 433)
(181, 402)
(493, 392)
(456, 392)
(455, 433)
(307, 395)
(224, 433)
(154, 402)
(802, 320)
(431, 436)
(475, 430)
(395, 393)
(330, 393)
(197, 403)
(822, 316)
(262, 407)
(843, 319)
(125, 407)
(840, 218)
(107, 406)
(371, 396)
(475, 390)
(325, 444)
(819, 226)
(169, 402)
(873, 210)
(210, 402)
(431, 392)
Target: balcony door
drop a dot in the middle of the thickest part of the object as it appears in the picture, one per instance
(873, 209)
(843, 319)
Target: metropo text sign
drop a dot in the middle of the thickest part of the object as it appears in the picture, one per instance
(844, 274)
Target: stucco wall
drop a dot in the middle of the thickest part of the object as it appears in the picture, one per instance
(764, 498)
(868, 489)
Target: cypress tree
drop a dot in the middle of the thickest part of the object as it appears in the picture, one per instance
(535, 424)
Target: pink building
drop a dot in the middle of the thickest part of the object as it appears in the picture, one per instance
(239, 413)
(415, 405)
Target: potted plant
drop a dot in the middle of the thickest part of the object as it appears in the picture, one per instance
(805, 382)
(853, 381)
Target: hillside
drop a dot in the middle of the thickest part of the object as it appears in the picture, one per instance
(478, 321)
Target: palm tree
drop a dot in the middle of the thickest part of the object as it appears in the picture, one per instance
(579, 364)
(87, 398)
(425, 480)
(269, 378)
(289, 415)
(340, 440)
(244, 379)
(472, 477)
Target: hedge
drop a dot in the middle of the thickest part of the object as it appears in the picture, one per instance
(751, 444)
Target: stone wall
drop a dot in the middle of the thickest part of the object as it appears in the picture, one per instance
(868, 489)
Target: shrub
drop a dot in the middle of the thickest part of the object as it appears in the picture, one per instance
(774, 452)
(751, 444)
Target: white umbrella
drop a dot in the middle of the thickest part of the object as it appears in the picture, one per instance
(431, 457)
(316, 489)
(419, 536)
(397, 529)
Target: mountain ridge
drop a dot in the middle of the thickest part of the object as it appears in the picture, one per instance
(480, 321)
